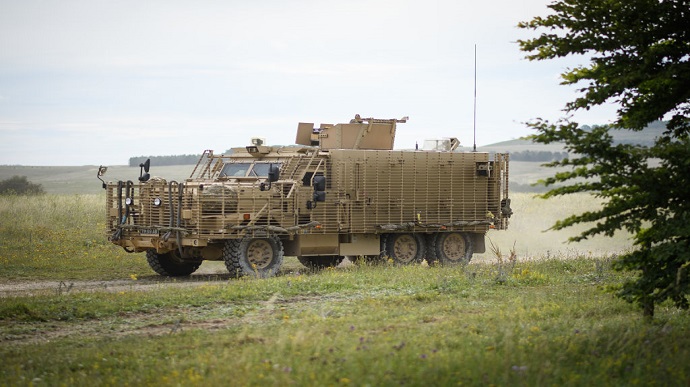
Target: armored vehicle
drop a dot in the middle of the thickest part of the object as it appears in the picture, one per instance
(341, 191)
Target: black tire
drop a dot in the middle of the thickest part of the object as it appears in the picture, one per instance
(257, 257)
(405, 249)
(431, 256)
(170, 264)
(320, 262)
(453, 248)
(229, 254)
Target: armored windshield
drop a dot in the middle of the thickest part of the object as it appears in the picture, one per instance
(261, 169)
(246, 169)
(235, 170)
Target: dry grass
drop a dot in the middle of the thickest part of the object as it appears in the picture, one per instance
(532, 217)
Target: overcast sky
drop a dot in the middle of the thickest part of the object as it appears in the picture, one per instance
(92, 82)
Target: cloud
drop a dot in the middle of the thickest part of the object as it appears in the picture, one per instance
(99, 81)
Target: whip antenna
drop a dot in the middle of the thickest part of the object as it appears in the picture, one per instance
(474, 117)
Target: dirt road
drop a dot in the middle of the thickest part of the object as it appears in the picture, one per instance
(151, 322)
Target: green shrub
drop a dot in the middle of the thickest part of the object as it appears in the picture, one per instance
(19, 185)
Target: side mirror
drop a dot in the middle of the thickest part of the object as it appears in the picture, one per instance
(273, 173)
(319, 183)
(319, 196)
(101, 172)
(273, 176)
(144, 167)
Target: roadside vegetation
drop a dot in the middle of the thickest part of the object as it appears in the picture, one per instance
(54, 237)
(503, 319)
(20, 185)
(539, 322)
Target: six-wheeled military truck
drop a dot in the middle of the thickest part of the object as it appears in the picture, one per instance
(341, 191)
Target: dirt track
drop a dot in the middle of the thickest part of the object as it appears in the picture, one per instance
(209, 272)
(149, 323)
(154, 322)
(33, 288)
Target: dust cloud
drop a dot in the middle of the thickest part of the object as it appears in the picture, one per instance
(529, 232)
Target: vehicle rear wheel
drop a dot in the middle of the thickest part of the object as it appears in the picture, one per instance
(259, 257)
(405, 249)
(453, 248)
(170, 264)
(320, 262)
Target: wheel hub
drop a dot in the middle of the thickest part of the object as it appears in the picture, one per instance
(260, 253)
(405, 248)
(454, 247)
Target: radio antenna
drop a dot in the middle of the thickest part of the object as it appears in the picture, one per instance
(474, 117)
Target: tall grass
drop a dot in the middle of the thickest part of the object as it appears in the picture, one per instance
(59, 237)
(529, 230)
(62, 236)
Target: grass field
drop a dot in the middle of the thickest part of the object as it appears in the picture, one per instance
(80, 180)
(537, 323)
(75, 310)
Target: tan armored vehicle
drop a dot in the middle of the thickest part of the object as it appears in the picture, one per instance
(342, 191)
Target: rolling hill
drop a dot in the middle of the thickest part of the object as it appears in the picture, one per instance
(70, 180)
(643, 137)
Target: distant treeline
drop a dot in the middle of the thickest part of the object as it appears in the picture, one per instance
(165, 160)
(169, 160)
(537, 156)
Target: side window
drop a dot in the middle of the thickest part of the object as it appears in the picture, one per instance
(306, 180)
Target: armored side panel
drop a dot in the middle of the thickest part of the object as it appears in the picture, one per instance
(388, 191)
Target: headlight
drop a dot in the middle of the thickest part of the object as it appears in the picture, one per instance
(157, 202)
(129, 201)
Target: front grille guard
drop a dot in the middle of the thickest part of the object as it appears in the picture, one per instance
(189, 213)
(136, 213)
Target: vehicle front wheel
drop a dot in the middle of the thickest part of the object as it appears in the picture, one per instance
(170, 264)
(259, 257)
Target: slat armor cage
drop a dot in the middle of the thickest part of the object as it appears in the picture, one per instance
(318, 201)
